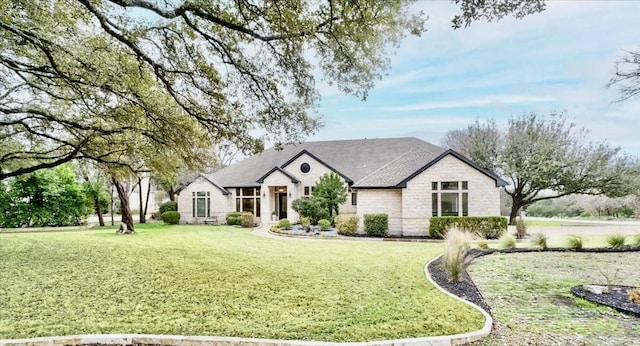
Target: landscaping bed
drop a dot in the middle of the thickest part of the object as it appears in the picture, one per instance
(615, 296)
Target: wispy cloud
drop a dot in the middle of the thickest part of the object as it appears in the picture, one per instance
(478, 102)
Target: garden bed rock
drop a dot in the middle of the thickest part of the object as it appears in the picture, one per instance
(616, 298)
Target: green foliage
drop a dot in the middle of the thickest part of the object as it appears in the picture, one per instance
(247, 220)
(171, 217)
(49, 197)
(376, 225)
(456, 247)
(305, 222)
(539, 240)
(284, 224)
(347, 224)
(234, 219)
(331, 191)
(488, 227)
(635, 240)
(324, 224)
(507, 241)
(537, 153)
(574, 242)
(616, 240)
(311, 207)
(168, 206)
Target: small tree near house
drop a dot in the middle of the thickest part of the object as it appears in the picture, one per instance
(332, 191)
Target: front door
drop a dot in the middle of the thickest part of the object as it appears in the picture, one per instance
(282, 206)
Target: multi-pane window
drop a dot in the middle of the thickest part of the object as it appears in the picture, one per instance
(248, 200)
(201, 202)
(452, 199)
(354, 197)
(308, 191)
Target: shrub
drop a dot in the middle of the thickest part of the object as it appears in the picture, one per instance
(171, 217)
(247, 219)
(521, 228)
(539, 240)
(234, 219)
(167, 206)
(488, 227)
(346, 225)
(507, 241)
(482, 244)
(616, 240)
(275, 229)
(634, 295)
(310, 207)
(305, 222)
(635, 240)
(324, 224)
(284, 224)
(574, 242)
(376, 225)
(585, 214)
(456, 247)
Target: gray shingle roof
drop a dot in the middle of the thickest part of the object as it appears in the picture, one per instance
(379, 162)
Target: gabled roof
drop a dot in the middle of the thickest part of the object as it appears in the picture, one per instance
(499, 182)
(354, 159)
(306, 152)
(293, 179)
(210, 180)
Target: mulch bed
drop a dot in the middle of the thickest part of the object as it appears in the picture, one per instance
(616, 298)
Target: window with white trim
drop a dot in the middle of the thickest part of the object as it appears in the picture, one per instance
(451, 199)
(308, 191)
(201, 202)
(248, 200)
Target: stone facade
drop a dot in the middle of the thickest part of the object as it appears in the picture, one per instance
(220, 204)
(381, 201)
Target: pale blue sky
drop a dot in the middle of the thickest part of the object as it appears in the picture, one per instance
(558, 60)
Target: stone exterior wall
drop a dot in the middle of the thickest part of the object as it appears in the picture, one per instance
(220, 204)
(268, 203)
(484, 196)
(381, 201)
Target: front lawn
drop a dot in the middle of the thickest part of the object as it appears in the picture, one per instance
(206, 280)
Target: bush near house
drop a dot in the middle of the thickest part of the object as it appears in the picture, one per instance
(284, 224)
(167, 206)
(171, 217)
(376, 225)
(489, 227)
(346, 225)
(234, 219)
(324, 224)
(247, 220)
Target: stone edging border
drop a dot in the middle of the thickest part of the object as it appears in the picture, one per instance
(179, 340)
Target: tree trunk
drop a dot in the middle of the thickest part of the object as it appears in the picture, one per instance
(142, 213)
(112, 205)
(146, 204)
(127, 219)
(515, 208)
(172, 194)
(96, 201)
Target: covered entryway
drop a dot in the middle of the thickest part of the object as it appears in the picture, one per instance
(280, 201)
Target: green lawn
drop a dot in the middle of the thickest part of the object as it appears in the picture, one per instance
(206, 280)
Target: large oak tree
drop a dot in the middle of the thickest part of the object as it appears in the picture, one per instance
(544, 158)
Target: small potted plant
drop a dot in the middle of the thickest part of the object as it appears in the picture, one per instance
(274, 216)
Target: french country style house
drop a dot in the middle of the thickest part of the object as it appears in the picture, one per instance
(408, 179)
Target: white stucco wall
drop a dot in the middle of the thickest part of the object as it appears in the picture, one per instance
(267, 203)
(220, 204)
(381, 201)
(484, 196)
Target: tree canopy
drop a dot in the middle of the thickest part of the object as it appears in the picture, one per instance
(536, 155)
(331, 191)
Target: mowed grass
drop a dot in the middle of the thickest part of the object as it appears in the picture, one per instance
(529, 294)
(223, 281)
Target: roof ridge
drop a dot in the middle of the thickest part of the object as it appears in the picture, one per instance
(388, 163)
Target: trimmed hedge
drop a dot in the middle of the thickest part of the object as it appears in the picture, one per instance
(171, 217)
(234, 219)
(489, 227)
(376, 225)
(324, 224)
(284, 224)
(167, 206)
(346, 225)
